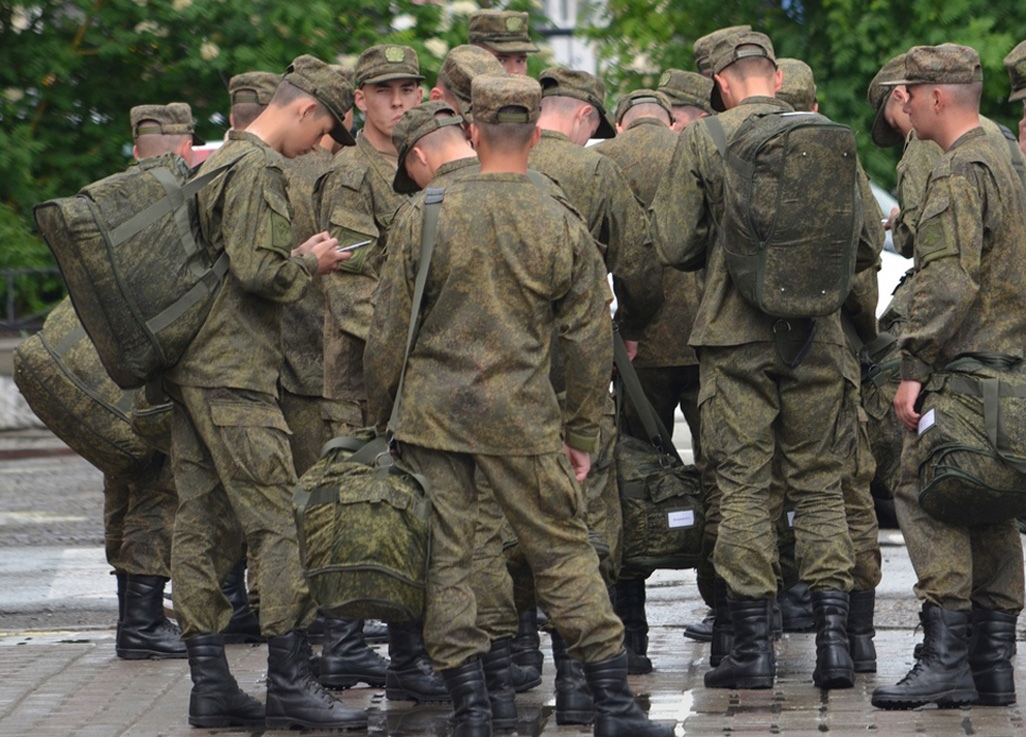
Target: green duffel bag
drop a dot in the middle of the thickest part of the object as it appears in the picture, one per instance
(364, 529)
(61, 377)
(663, 508)
(971, 444)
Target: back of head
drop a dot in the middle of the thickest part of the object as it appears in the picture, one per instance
(461, 65)
(641, 104)
(250, 94)
(430, 124)
(704, 46)
(686, 88)
(581, 86)
(501, 31)
(746, 58)
(506, 110)
(799, 86)
(161, 129)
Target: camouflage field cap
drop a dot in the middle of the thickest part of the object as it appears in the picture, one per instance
(686, 88)
(461, 65)
(1015, 63)
(329, 84)
(385, 63)
(704, 46)
(641, 97)
(731, 49)
(502, 31)
(799, 86)
(256, 87)
(173, 119)
(877, 95)
(944, 64)
(491, 93)
(416, 123)
(564, 82)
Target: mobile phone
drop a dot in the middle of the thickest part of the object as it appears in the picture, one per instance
(353, 246)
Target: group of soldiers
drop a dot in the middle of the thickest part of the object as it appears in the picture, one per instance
(505, 406)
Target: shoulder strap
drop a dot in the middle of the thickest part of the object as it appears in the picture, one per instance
(432, 204)
(719, 136)
(657, 433)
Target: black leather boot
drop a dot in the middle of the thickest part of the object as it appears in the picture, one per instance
(861, 632)
(294, 697)
(834, 668)
(375, 631)
(346, 659)
(796, 613)
(752, 662)
(472, 714)
(410, 675)
(574, 704)
(701, 631)
(722, 630)
(122, 581)
(941, 675)
(145, 632)
(244, 625)
(629, 604)
(526, 645)
(991, 647)
(523, 679)
(216, 699)
(496, 664)
(616, 712)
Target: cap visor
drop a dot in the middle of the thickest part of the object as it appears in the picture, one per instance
(197, 141)
(391, 77)
(1017, 95)
(882, 133)
(341, 134)
(605, 129)
(402, 184)
(511, 47)
(716, 100)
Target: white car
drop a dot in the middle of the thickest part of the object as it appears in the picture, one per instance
(893, 265)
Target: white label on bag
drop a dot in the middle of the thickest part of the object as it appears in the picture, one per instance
(926, 421)
(790, 518)
(683, 518)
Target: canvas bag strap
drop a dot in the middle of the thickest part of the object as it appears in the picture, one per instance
(433, 197)
(657, 433)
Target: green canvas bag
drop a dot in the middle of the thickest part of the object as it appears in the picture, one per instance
(792, 213)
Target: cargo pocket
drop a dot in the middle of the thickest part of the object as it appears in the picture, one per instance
(351, 228)
(255, 442)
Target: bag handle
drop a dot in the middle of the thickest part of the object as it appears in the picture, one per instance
(657, 433)
(991, 390)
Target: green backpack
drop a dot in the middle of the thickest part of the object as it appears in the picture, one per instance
(792, 213)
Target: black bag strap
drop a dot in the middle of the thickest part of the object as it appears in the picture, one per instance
(657, 433)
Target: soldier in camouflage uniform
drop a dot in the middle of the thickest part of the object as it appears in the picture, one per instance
(505, 34)
(970, 251)
(355, 202)
(478, 397)
(1015, 64)
(688, 94)
(704, 45)
(230, 451)
(461, 65)
(757, 401)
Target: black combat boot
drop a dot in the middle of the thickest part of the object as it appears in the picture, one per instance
(701, 631)
(574, 704)
(496, 664)
(122, 580)
(523, 679)
(375, 631)
(861, 605)
(244, 625)
(410, 675)
(941, 675)
(834, 668)
(616, 712)
(346, 659)
(145, 632)
(752, 662)
(722, 630)
(472, 713)
(991, 647)
(216, 699)
(294, 697)
(629, 604)
(796, 613)
(526, 645)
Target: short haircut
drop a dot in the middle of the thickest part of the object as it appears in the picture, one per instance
(507, 137)
(155, 144)
(441, 136)
(562, 104)
(645, 110)
(751, 66)
(965, 95)
(244, 113)
(287, 93)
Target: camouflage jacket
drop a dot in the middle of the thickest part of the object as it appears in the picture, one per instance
(643, 152)
(970, 255)
(499, 288)
(685, 212)
(302, 371)
(354, 202)
(598, 190)
(246, 212)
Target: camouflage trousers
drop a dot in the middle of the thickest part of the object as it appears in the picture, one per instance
(310, 430)
(544, 505)
(234, 471)
(958, 568)
(755, 406)
(138, 518)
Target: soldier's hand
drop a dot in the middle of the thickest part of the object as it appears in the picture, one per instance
(889, 223)
(905, 404)
(632, 349)
(325, 248)
(580, 461)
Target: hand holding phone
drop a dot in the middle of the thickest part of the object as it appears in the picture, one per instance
(353, 246)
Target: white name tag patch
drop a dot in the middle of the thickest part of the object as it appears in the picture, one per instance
(927, 421)
(682, 518)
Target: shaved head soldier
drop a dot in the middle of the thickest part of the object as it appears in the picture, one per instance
(160, 129)
(250, 94)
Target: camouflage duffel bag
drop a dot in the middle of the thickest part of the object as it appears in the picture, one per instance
(364, 531)
(971, 444)
(663, 508)
(61, 377)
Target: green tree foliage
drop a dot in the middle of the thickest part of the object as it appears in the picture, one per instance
(844, 41)
(70, 70)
